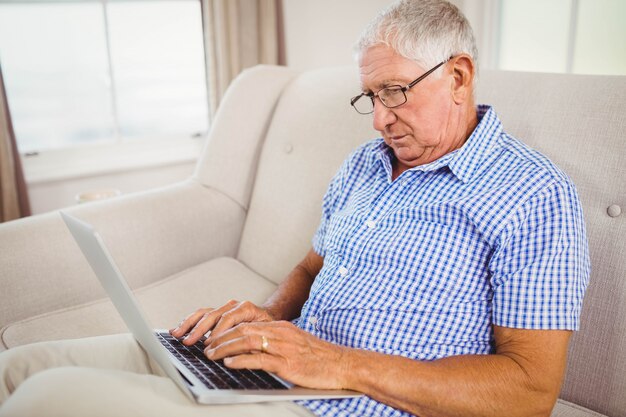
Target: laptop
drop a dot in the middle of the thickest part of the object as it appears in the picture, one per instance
(203, 380)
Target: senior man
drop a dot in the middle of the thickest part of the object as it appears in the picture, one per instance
(445, 278)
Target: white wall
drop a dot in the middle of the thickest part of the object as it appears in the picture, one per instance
(482, 16)
(322, 33)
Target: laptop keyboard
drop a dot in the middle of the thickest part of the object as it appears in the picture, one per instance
(214, 374)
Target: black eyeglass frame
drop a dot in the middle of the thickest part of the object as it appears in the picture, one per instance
(404, 89)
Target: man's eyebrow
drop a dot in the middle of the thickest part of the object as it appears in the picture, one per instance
(384, 84)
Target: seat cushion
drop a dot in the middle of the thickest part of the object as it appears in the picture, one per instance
(567, 409)
(165, 303)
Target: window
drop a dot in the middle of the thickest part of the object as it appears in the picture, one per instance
(577, 36)
(103, 71)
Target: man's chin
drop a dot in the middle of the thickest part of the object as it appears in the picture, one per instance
(406, 155)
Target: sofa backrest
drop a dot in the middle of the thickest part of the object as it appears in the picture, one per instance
(312, 131)
(229, 161)
(580, 123)
(577, 121)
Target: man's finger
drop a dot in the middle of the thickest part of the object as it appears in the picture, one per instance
(243, 313)
(264, 361)
(188, 323)
(237, 346)
(192, 320)
(239, 331)
(251, 338)
(206, 323)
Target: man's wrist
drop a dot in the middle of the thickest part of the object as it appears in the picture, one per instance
(272, 311)
(349, 368)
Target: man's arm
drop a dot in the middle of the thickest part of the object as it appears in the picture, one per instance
(284, 304)
(522, 378)
(288, 299)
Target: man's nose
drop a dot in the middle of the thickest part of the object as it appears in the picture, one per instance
(383, 116)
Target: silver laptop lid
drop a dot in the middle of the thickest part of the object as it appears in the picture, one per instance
(111, 278)
(101, 262)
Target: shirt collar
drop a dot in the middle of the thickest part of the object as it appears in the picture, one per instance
(481, 143)
(465, 161)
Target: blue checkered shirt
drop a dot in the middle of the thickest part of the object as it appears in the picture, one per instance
(424, 266)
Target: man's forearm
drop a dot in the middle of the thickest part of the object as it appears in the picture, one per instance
(288, 299)
(470, 385)
(523, 377)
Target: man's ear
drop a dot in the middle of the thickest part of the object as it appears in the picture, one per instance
(463, 72)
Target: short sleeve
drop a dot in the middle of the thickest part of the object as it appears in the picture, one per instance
(540, 269)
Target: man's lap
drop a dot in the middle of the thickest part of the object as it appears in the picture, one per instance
(108, 375)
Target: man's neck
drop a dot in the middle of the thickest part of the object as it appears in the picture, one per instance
(468, 122)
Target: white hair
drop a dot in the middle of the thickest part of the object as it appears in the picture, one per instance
(425, 31)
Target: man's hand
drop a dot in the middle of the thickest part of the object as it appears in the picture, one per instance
(283, 349)
(218, 320)
(284, 304)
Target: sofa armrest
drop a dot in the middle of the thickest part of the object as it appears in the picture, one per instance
(151, 235)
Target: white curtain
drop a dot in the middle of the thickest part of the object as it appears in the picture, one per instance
(13, 196)
(239, 34)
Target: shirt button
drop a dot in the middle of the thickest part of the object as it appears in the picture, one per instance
(313, 321)
(370, 224)
(343, 271)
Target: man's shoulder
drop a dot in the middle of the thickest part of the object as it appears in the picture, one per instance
(531, 163)
(518, 180)
(369, 149)
(365, 154)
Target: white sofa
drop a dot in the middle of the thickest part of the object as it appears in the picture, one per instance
(247, 215)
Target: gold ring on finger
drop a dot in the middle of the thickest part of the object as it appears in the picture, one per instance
(264, 344)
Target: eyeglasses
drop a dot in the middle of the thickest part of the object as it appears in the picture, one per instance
(391, 97)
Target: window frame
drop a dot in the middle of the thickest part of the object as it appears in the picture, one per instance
(112, 155)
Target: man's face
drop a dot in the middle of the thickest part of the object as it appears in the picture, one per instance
(422, 129)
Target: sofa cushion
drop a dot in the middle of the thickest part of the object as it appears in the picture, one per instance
(313, 130)
(229, 161)
(165, 303)
(567, 409)
(151, 235)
